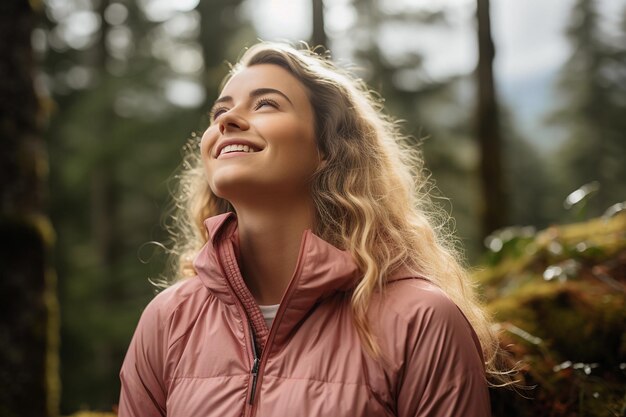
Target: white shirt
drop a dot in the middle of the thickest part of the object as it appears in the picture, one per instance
(269, 312)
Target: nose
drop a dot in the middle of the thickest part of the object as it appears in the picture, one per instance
(232, 121)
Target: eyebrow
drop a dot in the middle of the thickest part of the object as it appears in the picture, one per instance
(256, 93)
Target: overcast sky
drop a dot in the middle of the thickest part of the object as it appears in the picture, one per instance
(529, 38)
(528, 34)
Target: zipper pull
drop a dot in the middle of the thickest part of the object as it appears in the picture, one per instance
(255, 374)
(255, 367)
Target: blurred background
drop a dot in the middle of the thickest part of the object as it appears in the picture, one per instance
(519, 107)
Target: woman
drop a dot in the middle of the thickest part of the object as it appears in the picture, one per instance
(320, 285)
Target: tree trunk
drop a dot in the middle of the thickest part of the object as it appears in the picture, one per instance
(319, 34)
(103, 207)
(493, 212)
(28, 306)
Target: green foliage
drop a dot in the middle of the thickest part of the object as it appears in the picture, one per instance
(559, 297)
(592, 107)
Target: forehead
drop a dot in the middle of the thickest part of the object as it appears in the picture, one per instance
(265, 76)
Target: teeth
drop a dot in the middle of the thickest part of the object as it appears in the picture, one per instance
(236, 148)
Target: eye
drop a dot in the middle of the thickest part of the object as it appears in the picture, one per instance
(216, 112)
(265, 101)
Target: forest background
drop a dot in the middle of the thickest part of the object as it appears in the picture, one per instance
(123, 86)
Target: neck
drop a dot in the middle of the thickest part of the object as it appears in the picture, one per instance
(269, 242)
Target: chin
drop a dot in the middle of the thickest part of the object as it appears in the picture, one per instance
(233, 187)
(223, 189)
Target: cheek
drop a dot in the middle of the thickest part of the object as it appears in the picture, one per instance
(303, 154)
(308, 145)
(207, 141)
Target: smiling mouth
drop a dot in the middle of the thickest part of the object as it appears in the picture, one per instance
(237, 148)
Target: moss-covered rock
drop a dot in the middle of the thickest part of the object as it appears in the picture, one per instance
(559, 298)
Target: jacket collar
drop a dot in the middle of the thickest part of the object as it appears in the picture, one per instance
(321, 271)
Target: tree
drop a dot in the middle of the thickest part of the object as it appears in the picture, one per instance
(319, 34)
(223, 33)
(493, 213)
(29, 333)
(592, 109)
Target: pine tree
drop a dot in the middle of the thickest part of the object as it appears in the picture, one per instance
(29, 325)
(318, 37)
(592, 109)
(494, 207)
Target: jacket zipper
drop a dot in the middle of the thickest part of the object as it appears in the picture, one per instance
(255, 366)
(259, 365)
(254, 371)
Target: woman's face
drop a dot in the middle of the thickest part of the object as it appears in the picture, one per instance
(261, 141)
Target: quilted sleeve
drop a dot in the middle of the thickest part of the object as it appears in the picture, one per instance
(443, 372)
(143, 391)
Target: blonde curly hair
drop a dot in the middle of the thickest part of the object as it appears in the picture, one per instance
(372, 196)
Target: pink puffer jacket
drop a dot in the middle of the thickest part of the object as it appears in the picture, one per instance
(192, 354)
